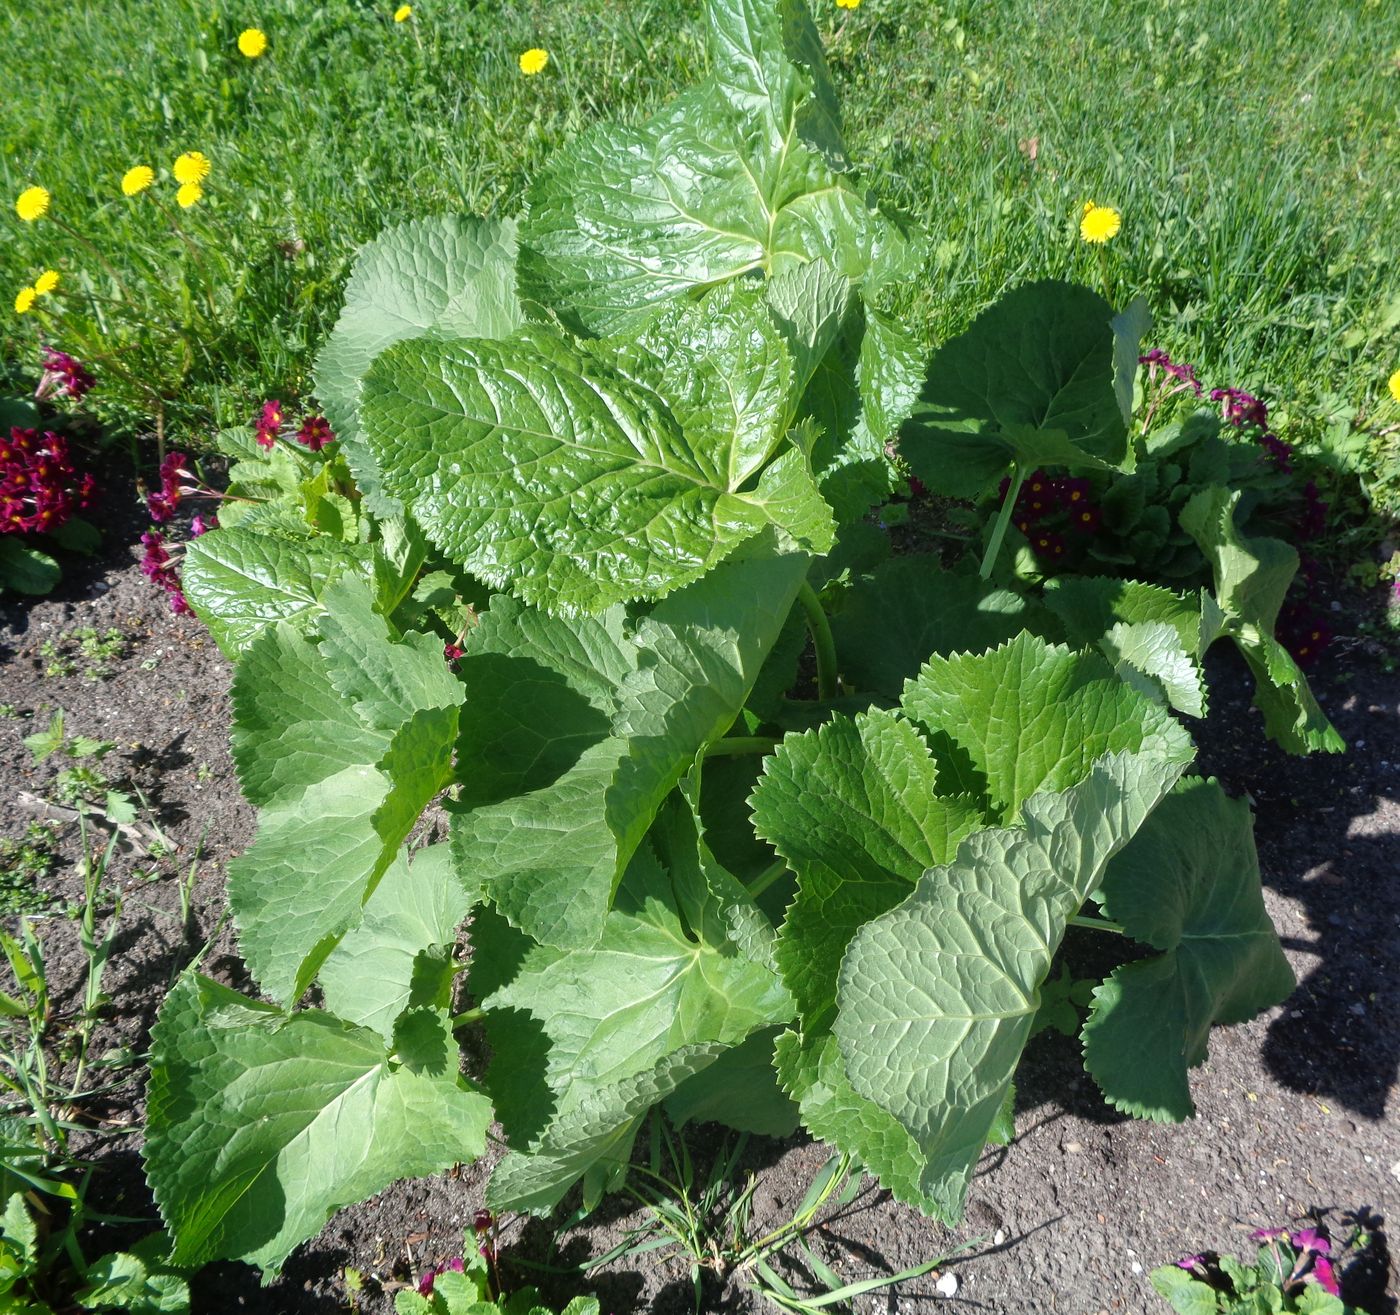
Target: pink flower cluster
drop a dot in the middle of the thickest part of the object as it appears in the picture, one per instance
(1314, 1252)
(177, 481)
(39, 487)
(158, 567)
(62, 376)
(162, 503)
(314, 432)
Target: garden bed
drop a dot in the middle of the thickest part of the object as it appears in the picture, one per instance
(1296, 1109)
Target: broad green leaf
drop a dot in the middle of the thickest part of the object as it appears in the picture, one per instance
(121, 1281)
(1032, 382)
(740, 174)
(537, 755)
(725, 370)
(591, 1136)
(1089, 606)
(1129, 327)
(262, 1124)
(449, 276)
(1034, 716)
(1252, 576)
(1187, 884)
(646, 990)
(809, 304)
(739, 1090)
(336, 807)
(1187, 1295)
(814, 1075)
(938, 996)
(699, 654)
(400, 956)
(854, 809)
(291, 728)
(1148, 656)
(239, 581)
(862, 390)
(891, 622)
(541, 467)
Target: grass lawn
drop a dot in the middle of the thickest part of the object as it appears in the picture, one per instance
(1253, 149)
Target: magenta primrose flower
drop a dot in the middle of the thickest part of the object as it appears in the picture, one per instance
(268, 423)
(1158, 362)
(161, 504)
(62, 376)
(1311, 1240)
(39, 487)
(1324, 1274)
(425, 1284)
(315, 433)
(1240, 408)
(158, 567)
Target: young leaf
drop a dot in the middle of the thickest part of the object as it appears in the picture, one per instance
(937, 997)
(1034, 716)
(1188, 885)
(1031, 381)
(741, 173)
(263, 1124)
(854, 809)
(1148, 656)
(543, 468)
(240, 581)
(1252, 576)
(400, 956)
(446, 277)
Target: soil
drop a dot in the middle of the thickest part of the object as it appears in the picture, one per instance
(1296, 1109)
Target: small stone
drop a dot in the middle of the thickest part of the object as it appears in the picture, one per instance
(1359, 1009)
(1073, 1147)
(998, 1237)
(947, 1285)
(1136, 1267)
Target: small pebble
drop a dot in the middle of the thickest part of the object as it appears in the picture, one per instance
(1136, 1267)
(947, 1285)
(999, 1237)
(1074, 1147)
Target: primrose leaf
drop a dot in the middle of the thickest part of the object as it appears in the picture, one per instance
(25, 569)
(263, 1124)
(890, 622)
(814, 1074)
(937, 997)
(1188, 885)
(742, 173)
(1032, 382)
(240, 581)
(542, 468)
(853, 808)
(333, 817)
(1033, 716)
(400, 956)
(448, 276)
(1252, 576)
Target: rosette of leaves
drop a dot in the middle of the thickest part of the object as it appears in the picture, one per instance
(645, 426)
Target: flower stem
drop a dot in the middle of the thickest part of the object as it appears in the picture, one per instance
(1096, 924)
(1018, 477)
(822, 641)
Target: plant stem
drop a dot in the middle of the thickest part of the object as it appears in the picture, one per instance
(732, 746)
(1018, 477)
(822, 641)
(471, 1016)
(767, 877)
(1096, 924)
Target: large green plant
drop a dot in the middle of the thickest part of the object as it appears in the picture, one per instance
(636, 432)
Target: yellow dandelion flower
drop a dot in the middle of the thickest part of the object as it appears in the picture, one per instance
(848, 4)
(252, 41)
(191, 167)
(403, 13)
(1393, 383)
(46, 282)
(137, 179)
(24, 300)
(188, 195)
(533, 61)
(1099, 223)
(32, 204)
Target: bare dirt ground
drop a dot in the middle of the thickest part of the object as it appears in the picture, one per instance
(1296, 1110)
